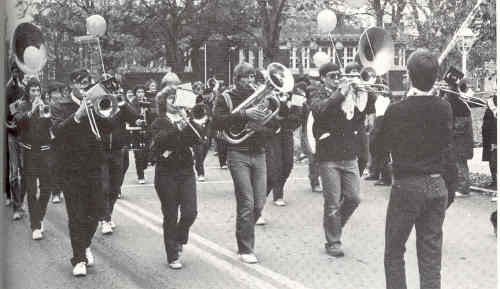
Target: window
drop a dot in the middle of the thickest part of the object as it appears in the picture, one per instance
(293, 58)
(306, 57)
(349, 53)
(399, 57)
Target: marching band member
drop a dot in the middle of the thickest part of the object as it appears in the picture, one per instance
(114, 143)
(175, 181)
(83, 157)
(336, 125)
(14, 191)
(141, 156)
(420, 148)
(34, 139)
(200, 118)
(247, 160)
(489, 135)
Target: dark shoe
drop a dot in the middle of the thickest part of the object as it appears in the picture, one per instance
(334, 250)
(381, 183)
(371, 178)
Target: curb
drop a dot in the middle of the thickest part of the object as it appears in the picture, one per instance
(483, 190)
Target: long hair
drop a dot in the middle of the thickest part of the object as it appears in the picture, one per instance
(161, 100)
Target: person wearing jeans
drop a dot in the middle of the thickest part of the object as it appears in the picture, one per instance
(422, 153)
(247, 159)
(335, 128)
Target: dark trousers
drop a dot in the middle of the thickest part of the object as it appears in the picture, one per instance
(84, 206)
(421, 202)
(177, 192)
(16, 171)
(313, 170)
(141, 162)
(36, 167)
(279, 162)
(493, 165)
(200, 153)
(248, 171)
(112, 179)
(221, 148)
(125, 164)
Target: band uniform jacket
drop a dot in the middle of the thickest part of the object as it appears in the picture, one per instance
(463, 139)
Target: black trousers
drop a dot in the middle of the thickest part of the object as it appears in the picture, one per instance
(112, 180)
(84, 206)
(279, 162)
(125, 164)
(200, 153)
(221, 148)
(177, 192)
(36, 167)
(141, 162)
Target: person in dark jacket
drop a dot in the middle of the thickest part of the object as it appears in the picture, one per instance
(199, 114)
(34, 140)
(247, 159)
(82, 154)
(114, 143)
(14, 192)
(419, 197)
(337, 121)
(463, 140)
(175, 181)
(489, 133)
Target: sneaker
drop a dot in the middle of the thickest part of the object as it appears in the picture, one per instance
(56, 199)
(261, 221)
(37, 234)
(106, 228)
(90, 257)
(142, 181)
(249, 258)
(280, 203)
(317, 189)
(371, 178)
(201, 178)
(119, 195)
(334, 250)
(17, 215)
(381, 183)
(41, 226)
(112, 224)
(176, 264)
(223, 167)
(8, 202)
(461, 195)
(80, 269)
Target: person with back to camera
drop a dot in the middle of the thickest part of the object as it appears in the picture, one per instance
(419, 147)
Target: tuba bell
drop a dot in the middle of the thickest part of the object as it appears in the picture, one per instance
(279, 79)
(30, 53)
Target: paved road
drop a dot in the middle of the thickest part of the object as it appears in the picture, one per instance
(290, 246)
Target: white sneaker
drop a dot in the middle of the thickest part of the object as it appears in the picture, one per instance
(90, 257)
(280, 203)
(201, 178)
(112, 224)
(261, 221)
(142, 181)
(176, 264)
(249, 258)
(106, 228)
(41, 227)
(17, 215)
(37, 234)
(80, 269)
(461, 195)
(56, 199)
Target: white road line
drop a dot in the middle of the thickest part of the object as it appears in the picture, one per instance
(226, 267)
(205, 182)
(221, 250)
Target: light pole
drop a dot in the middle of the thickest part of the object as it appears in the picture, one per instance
(205, 60)
(467, 39)
(232, 48)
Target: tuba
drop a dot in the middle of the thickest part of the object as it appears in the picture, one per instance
(30, 53)
(279, 79)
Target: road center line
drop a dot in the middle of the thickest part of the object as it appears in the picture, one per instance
(220, 250)
(226, 267)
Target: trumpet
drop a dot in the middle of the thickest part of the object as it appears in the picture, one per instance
(265, 97)
(462, 92)
(183, 121)
(45, 111)
(212, 83)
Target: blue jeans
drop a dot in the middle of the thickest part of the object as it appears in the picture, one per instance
(248, 171)
(418, 201)
(341, 193)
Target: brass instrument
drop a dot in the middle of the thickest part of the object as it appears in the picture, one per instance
(212, 83)
(184, 121)
(278, 79)
(45, 111)
(30, 53)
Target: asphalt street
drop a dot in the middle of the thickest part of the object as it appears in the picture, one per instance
(290, 247)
